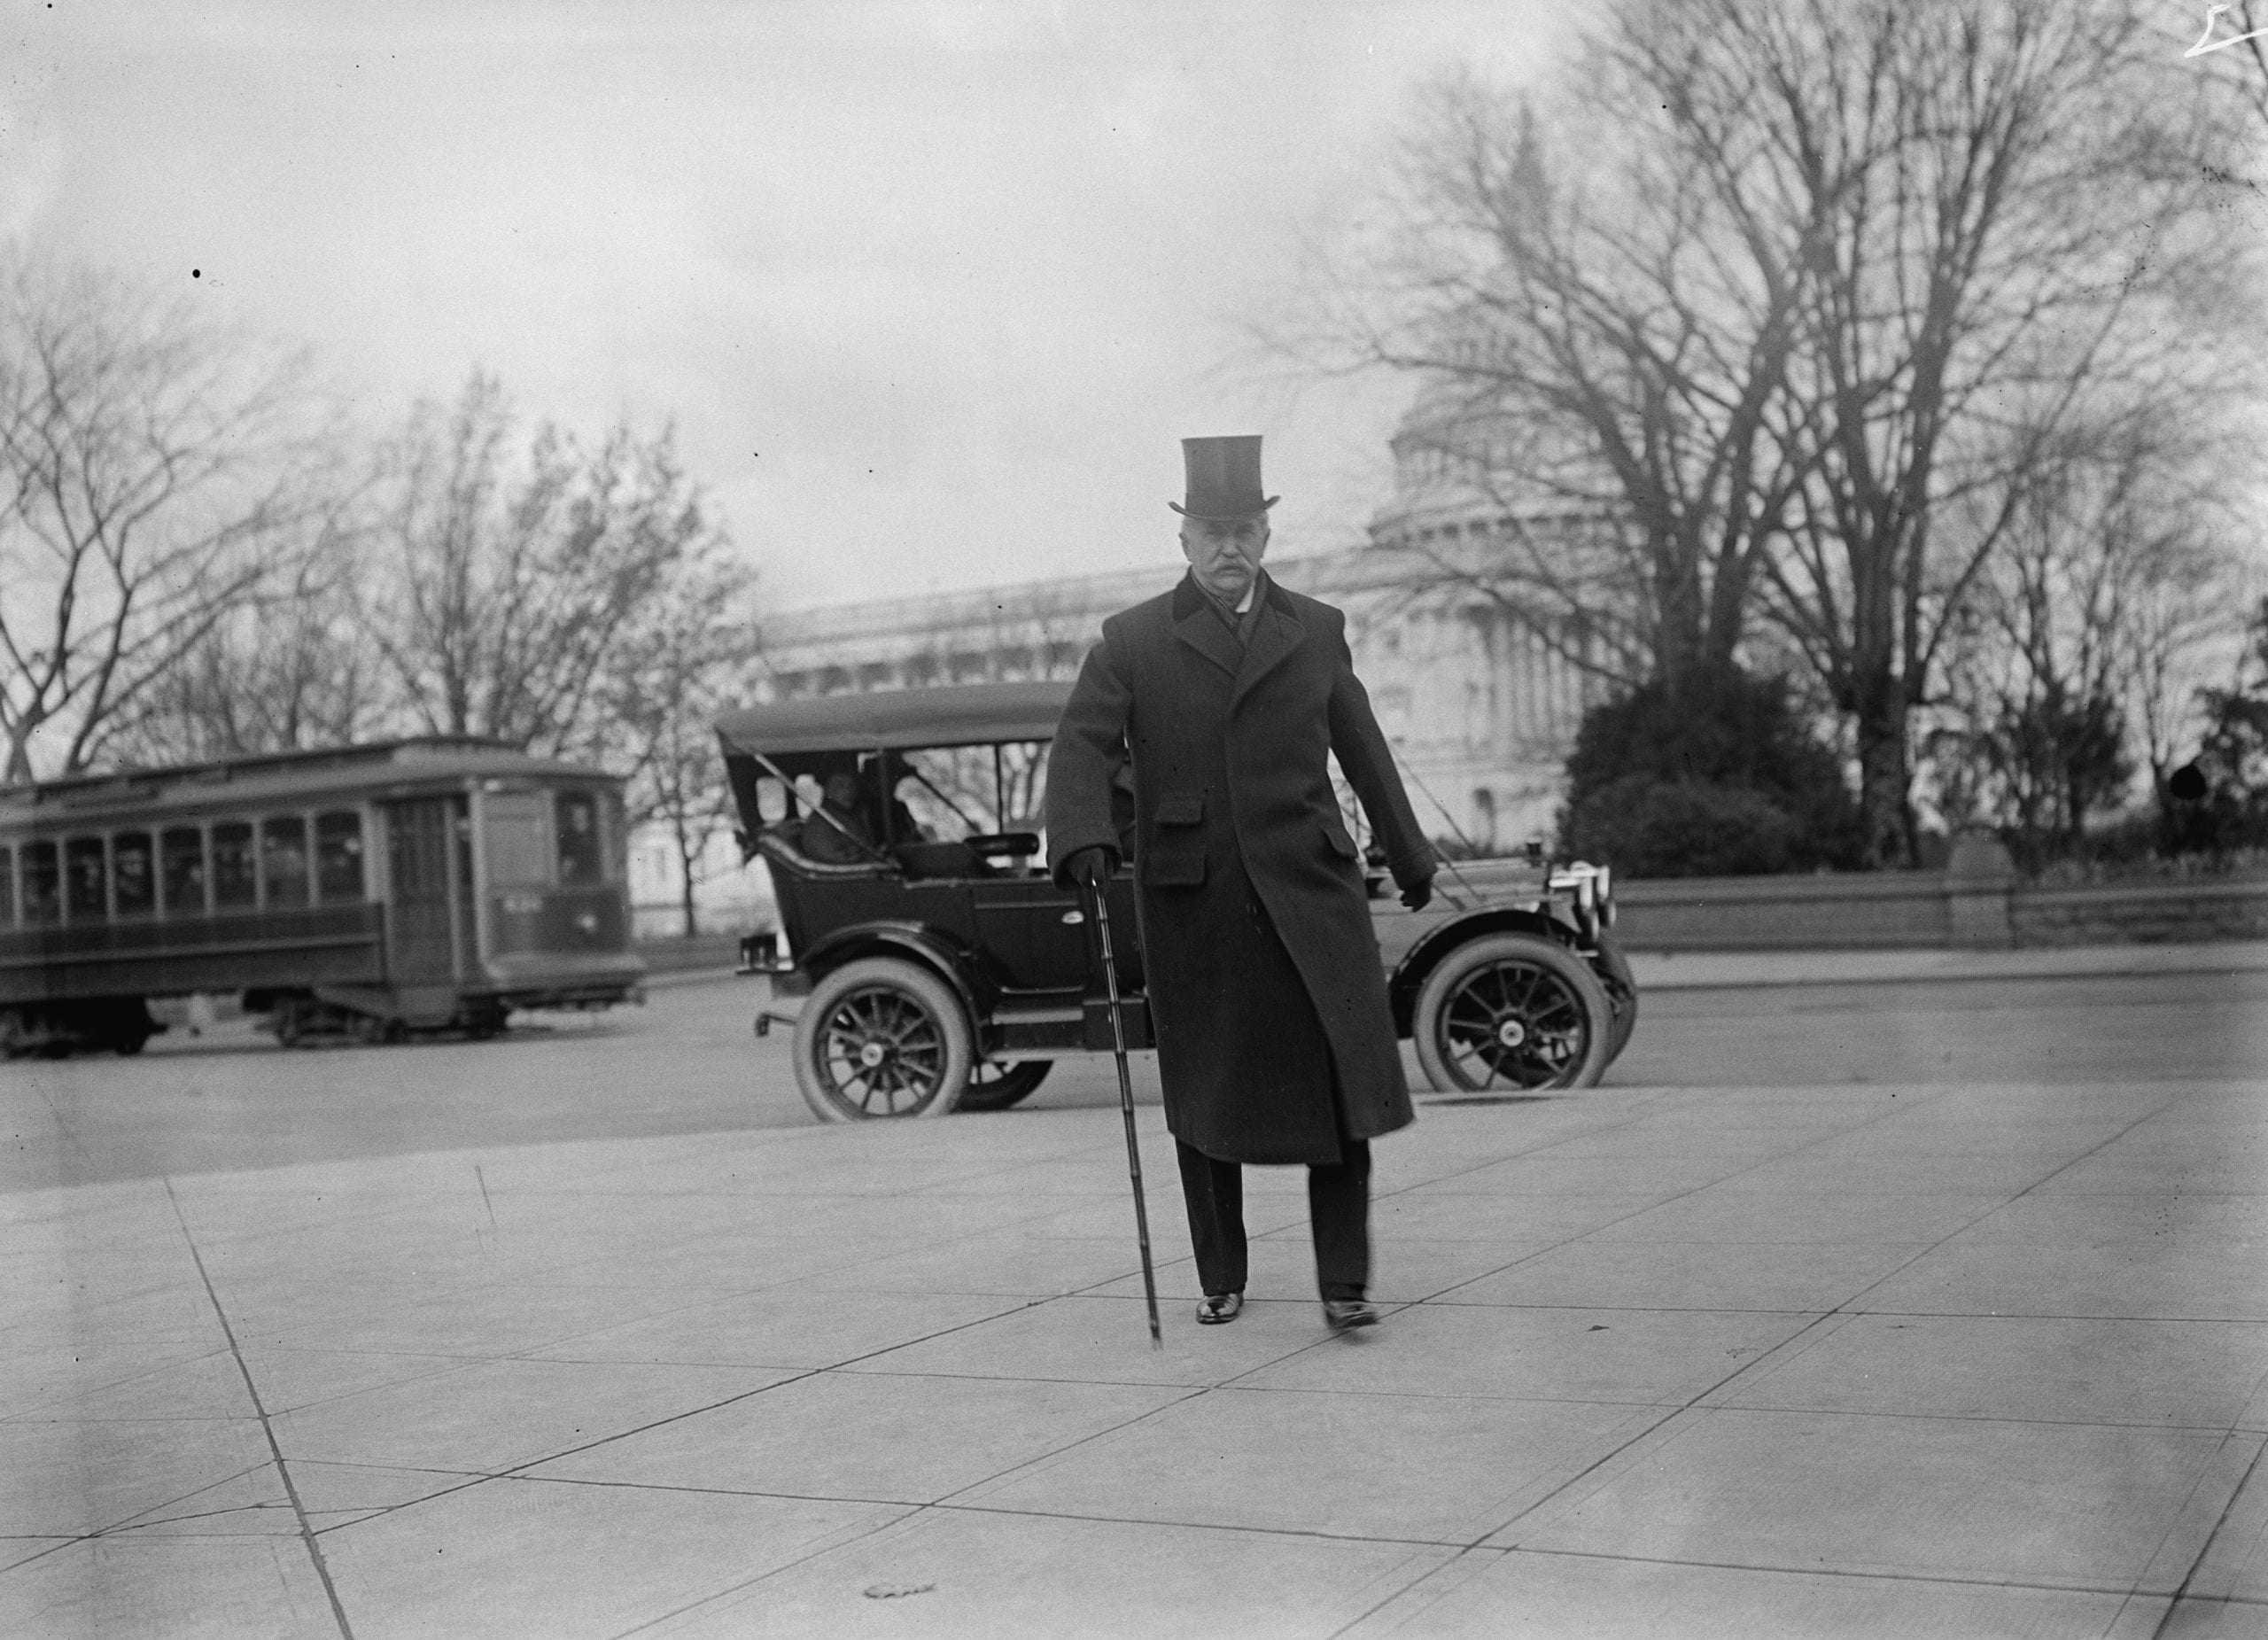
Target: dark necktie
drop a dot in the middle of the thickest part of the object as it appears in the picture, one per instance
(1240, 627)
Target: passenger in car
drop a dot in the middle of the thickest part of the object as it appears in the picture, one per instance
(836, 833)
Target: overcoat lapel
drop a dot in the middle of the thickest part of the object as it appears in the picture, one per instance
(1277, 633)
(1200, 629)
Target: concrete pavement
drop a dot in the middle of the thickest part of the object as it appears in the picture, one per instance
(1904, 1359)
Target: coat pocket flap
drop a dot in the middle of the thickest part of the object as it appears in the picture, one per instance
(1336, 836)
(1181, 871)
(1181, 808)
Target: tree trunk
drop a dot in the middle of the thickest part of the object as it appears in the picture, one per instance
(1885, 772)
(19, 755)
(685, 874)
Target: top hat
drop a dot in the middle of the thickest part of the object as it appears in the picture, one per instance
(1224, 478)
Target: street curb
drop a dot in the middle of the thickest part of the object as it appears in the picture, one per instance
(1742, 970)
(1745, 970)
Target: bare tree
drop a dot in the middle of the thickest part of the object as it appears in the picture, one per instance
(2002, 246)
(1601, 339)
(1836, 276)
(289, 668)
(2080, 645)
(155, 473)
(513, 592)
(677, 668)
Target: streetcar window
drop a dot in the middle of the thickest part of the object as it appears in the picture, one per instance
(517, 828)
(581, 858)
(234, 882)
(131, 878)
(618, 831)
(42, 883)
(82, 878)
(338, 857)
(7, 886)
(284, 859)
(183, 865)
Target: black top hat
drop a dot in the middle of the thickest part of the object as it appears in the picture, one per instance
(1224, 478)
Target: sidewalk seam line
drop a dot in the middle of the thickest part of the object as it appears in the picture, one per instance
(266, 1426)
(2227, 1506)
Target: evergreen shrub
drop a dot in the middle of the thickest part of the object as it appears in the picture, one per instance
(1717, 777)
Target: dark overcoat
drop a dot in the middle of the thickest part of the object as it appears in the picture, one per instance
(1265, 988)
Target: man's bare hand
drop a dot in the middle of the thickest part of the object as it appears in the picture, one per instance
(1419, 894)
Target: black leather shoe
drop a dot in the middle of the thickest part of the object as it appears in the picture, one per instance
(1218, 1309)
(1345, 1314)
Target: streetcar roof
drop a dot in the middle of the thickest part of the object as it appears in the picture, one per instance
(960, 714)
(374, 768)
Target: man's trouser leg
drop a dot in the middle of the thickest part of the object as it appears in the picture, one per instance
(1213, 1193)
(1339, 1211)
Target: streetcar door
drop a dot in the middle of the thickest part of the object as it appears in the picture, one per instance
(430, 919)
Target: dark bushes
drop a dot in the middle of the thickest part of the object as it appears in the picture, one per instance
(1718, 777)
(2219, 803)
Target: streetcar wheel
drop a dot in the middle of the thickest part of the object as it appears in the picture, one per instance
(1621, 992)
(882, 1038)
(1512, 1011)
(127, 1028)
(996, 1086)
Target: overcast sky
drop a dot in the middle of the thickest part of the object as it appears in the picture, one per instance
(931, 291)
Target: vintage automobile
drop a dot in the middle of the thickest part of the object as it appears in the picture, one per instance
(928, 963)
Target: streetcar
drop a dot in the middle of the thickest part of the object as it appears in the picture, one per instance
(364, 893)
(927, 963)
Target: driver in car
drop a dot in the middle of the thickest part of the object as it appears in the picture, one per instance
(836, 833)
(1227, 696)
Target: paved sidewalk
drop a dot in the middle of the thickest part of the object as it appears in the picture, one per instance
(1852, 1360)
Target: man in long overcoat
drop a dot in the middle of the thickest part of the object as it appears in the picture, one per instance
(1275, 1038)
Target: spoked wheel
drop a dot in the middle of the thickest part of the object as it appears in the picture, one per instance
(995, 1086)
(1512, 1011)
(883, 1038)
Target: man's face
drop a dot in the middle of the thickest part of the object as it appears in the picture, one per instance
(1224, 553)
(842, 790)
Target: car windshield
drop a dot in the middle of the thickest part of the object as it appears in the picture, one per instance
(965, 791)
(942, 795)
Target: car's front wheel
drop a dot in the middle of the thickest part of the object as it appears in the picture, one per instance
(1622, 991)
(882, 1037)
(1512, 1011)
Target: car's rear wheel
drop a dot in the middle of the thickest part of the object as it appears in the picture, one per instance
(995, 1086)
(1512, 1012)
(880, 1037)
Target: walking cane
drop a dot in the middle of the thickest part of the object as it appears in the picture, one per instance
(1126, 1109)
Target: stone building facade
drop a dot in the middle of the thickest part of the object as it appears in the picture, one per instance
(1481, 697)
